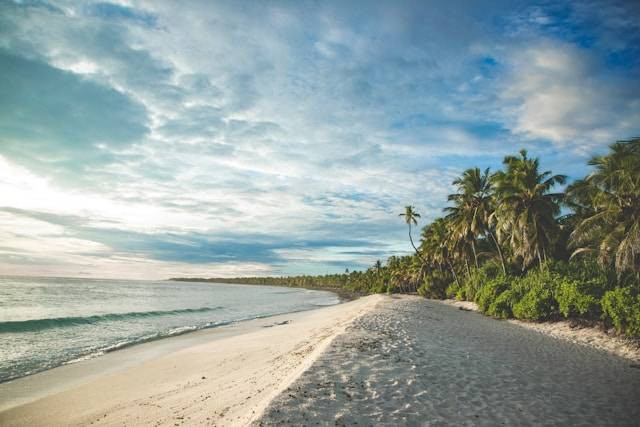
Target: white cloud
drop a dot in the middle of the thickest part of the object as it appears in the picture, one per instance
(281, 120)
(562, 93)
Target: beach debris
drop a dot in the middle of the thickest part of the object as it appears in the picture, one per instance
(284, 322)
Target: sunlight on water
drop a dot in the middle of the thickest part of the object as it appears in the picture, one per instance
(46, 322)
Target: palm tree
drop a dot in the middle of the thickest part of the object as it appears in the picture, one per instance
(437, 241)
(611, 228)
(526, 210)
(473, 205)
(411, 217)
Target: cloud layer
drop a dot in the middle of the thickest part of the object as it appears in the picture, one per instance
(153, 139)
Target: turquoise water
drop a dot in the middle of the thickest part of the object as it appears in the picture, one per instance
(46, 322)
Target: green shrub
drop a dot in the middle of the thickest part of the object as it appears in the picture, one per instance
(435, 284)
(378, 288)
(534, 295)
(478, 278)
(489, 291)
(621, 308)
(537, 304)
(502, 306)
(583, 271)
(579, 298)
(453, 290)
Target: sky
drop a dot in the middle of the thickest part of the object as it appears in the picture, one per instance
(153, 139)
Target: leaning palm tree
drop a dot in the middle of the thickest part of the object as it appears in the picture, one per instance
(411, 218)
(526, 210)
(611, 227)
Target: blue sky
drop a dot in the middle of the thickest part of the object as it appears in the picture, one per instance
(150, 139)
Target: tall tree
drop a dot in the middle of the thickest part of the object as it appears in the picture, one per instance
(611, 225)
(411, 218)
(526, 209)
(438, 241)
(472, 207)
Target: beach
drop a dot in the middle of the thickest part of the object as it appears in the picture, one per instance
(377, 360)
(574, 331)
(220, 376)
(413, 361)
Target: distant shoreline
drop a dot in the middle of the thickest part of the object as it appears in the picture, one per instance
(343, 294)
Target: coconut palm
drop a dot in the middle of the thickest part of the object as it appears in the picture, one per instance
(411, 218)
(437, 241)
(526, 210)
(611, 228)
(473, 205)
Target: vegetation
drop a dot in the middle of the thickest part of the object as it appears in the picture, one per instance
(517, 248)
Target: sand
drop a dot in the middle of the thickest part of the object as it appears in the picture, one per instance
(574, 332)
(378, 360)
(224, 376)
(415, 362)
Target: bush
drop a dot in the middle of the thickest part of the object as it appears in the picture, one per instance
(583, 271)
(537, 304)
(502, 306)
(579, 298)
(534, 295)
(478, 278)
(489, 291)
(454, 291)
(435, 284)
(378, 288)
(621, 308)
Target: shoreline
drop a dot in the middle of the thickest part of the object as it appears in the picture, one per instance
(343, 294)
(101, 349)
(231, 375)
(590, 336)
(379, 359)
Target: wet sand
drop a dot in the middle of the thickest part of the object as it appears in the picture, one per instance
(222, 376)
(420, 362)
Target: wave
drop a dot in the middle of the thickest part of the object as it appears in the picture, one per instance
(34, 325)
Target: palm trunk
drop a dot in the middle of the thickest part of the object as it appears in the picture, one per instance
(475, 255)
(466, 264)
(423, 270)
(453, 271)
(414, 246)
(493, 237)
(540, 260)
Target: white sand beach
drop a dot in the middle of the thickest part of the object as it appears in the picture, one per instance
(414, 361)
(378, 360)
(224, 376)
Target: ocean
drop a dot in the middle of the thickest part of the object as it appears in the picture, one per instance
(47, 322)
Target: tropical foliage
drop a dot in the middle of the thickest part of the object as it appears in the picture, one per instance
(516, 246)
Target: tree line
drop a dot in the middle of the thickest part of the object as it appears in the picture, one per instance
(518, 248)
